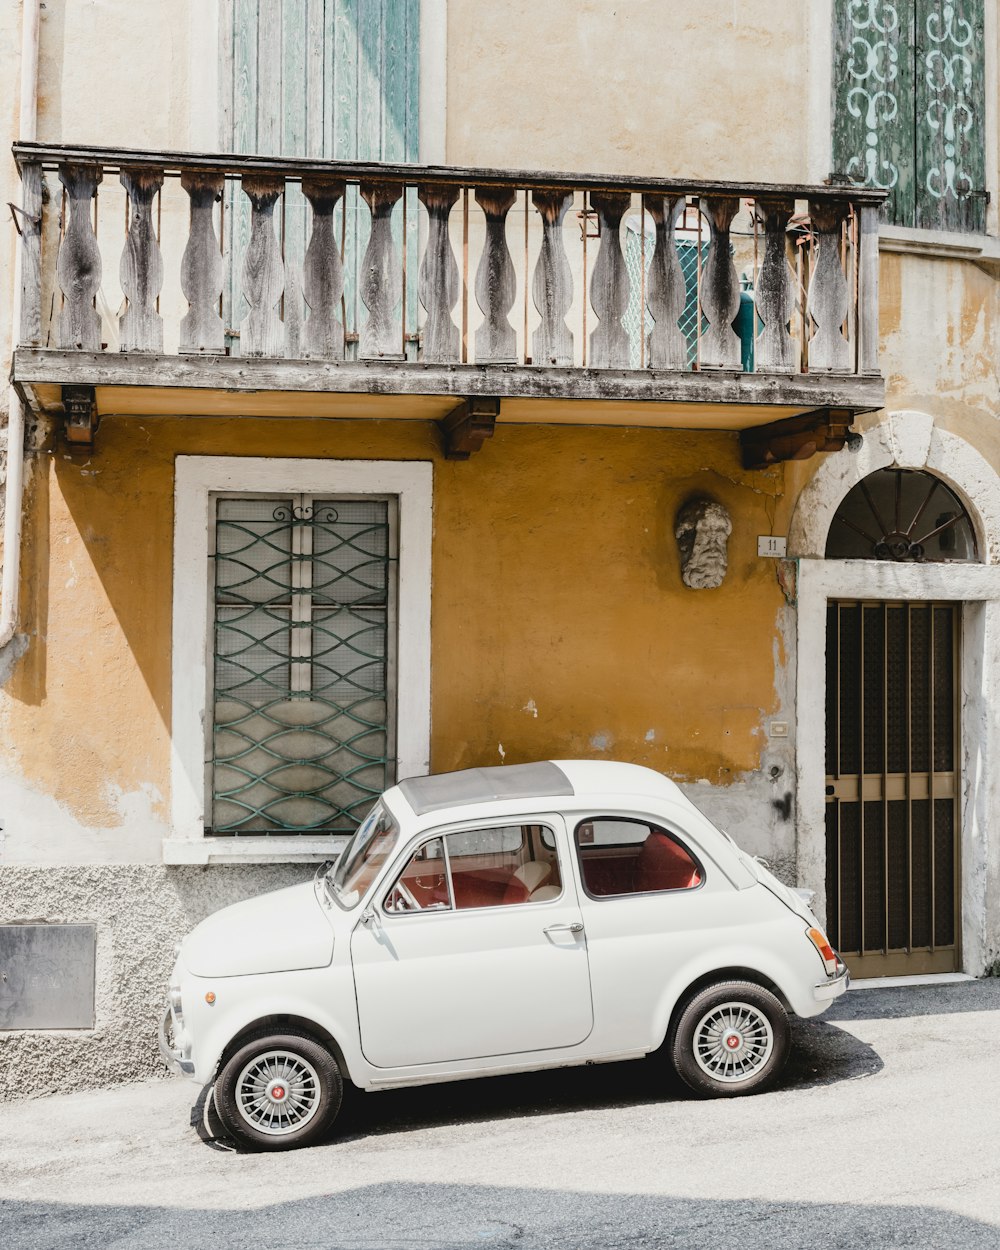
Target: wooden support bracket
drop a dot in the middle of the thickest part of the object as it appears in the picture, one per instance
(796, 438)
(80, 419)
(468, 426)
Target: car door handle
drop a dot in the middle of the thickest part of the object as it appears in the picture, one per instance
(575, 927)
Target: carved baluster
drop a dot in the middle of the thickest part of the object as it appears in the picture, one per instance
(261, 331)
(79, 265)
(552, 285)
(323, 272)
(609, 285)
(438, 281)
(720, 289)
(293, 311)
(775, 294)
(30, 220)
(141, 270)
(868, 289)
(828, 300)
(201, 267)
(496, 284)
(666, 293)
(381, 280)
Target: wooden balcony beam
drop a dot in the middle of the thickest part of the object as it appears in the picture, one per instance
(468, 426)
(37, 366)
(796, 438)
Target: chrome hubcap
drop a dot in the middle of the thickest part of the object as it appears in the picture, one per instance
(278, 1092)
(732, 1042)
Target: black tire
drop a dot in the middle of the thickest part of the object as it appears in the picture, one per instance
(747, 1066)
(279, 1091)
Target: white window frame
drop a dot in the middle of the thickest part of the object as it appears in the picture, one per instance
(199, 480)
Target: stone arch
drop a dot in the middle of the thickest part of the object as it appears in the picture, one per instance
(907, 439)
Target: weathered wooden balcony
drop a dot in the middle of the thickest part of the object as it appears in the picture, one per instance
(196, 284)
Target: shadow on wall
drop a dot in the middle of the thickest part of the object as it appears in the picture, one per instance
(29, 679)
(400, 1216)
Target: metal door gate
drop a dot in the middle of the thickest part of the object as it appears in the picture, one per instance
(892, 786)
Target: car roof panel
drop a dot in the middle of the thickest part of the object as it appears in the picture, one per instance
(483, 785)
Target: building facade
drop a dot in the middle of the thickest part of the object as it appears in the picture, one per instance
(404, 387)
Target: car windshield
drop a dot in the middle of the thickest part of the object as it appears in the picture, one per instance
(363, 856)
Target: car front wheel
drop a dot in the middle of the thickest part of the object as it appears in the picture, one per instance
(278, 1091)
(730, 1038)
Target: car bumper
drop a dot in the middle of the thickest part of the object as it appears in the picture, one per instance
(834, 986)
(174, 1046)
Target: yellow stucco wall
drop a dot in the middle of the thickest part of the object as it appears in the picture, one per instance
(560, 623)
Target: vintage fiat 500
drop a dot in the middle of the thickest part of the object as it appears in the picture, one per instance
(498, 920)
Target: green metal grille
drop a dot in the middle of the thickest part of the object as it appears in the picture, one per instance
(687, 252)
(304, 595)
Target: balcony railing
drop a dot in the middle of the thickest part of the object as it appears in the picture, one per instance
(183, 255)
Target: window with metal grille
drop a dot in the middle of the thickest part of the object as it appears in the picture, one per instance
(903, 515)
(303, 662)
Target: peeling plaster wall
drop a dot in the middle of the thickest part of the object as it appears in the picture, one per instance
(560, 624)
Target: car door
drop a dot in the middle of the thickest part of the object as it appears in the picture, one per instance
(652, 904)
(475, 949)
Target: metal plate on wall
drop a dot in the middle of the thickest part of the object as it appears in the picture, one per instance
(47, 976)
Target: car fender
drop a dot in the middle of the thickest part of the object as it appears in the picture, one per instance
(244, 1005)
(795, 982)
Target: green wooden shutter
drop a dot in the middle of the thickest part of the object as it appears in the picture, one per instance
(321, 78)
(909, 107)
(950, 115)
(873, 101)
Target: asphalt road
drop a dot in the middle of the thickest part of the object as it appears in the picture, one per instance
(883, 1133)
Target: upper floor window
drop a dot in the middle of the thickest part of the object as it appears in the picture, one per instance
(903, 515)
(909, 107)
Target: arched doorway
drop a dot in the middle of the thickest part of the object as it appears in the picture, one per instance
(893, 734)
(897, 633)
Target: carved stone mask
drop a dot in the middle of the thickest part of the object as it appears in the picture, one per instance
(702, 529)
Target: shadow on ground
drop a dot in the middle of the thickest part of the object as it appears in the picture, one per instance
(398, 1216)
(917, 1000)
(821, 1054)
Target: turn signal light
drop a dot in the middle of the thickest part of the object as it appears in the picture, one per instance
(826, 951)
(210, 997)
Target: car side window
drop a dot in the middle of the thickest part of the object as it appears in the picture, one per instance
(620, 856)
(495, 866)
(423, 883)
(502, 866)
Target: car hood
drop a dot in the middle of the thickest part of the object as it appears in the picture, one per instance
(283, 931)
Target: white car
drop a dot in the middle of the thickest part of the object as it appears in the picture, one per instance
(498, 920)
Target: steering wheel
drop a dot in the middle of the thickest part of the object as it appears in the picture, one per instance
(430, 883)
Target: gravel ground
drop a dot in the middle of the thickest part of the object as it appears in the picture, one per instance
(883, 1134)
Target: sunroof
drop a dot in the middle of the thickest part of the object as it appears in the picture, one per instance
(478, 785)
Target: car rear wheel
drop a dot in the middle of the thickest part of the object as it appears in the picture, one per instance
(730, 1038)
(278, 1091)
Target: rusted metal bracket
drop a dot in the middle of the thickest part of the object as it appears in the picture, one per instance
(468, 426)
(796, 438)
(80, 419)
(30, 218)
